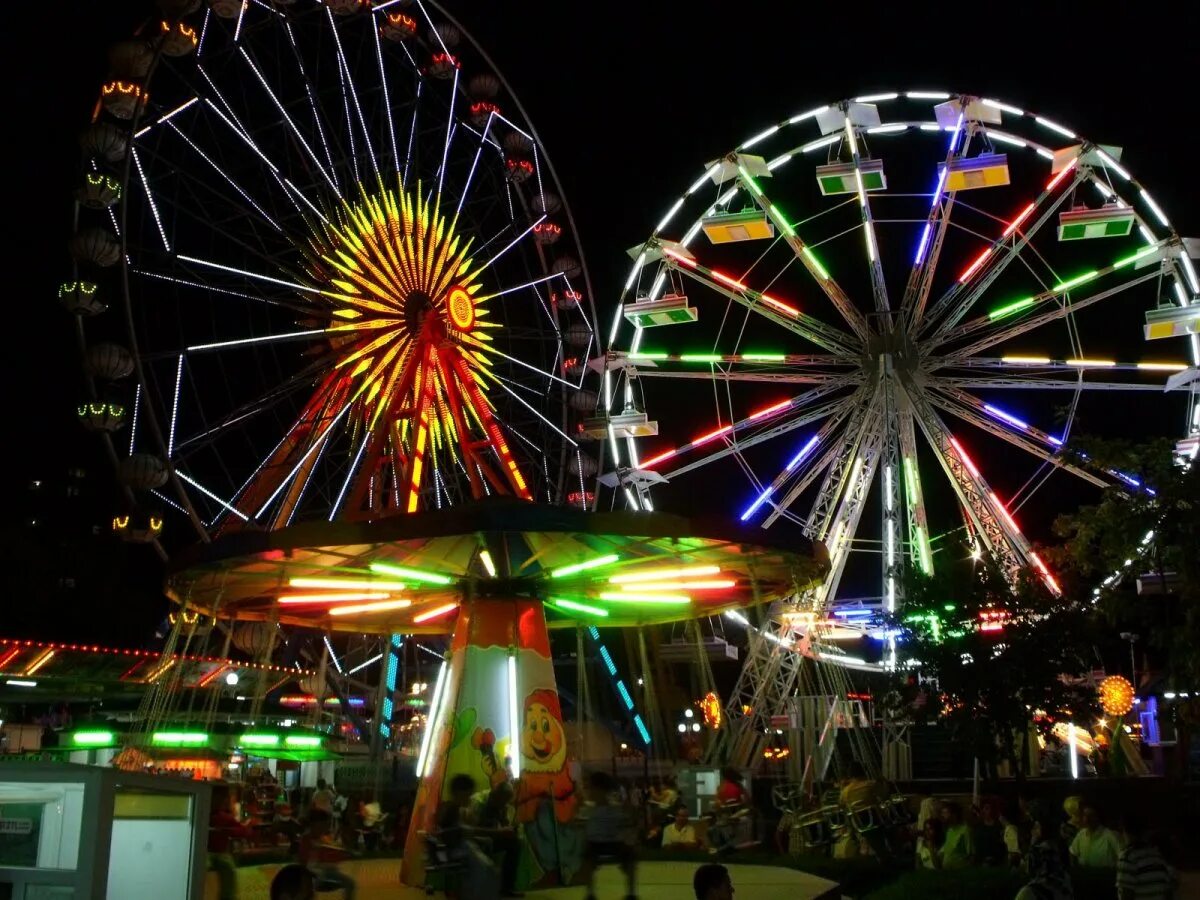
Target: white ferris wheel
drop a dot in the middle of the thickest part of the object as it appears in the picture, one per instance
(887, 318)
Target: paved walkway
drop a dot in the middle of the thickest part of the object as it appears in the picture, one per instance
(378, 879)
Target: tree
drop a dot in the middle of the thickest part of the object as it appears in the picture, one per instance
(1155, 524)
(987, 651)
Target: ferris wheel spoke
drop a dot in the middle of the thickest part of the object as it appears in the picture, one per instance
(878, 285)
(353, 95)
(799, 467)
(310, 95)
(995, 331)
(914, 493)
(1007, 427)
(466, 188)
(983, 271)
(825, 336)
(1044, 384)
(804, 254)
(246, 411)
(387, 101)
(843, 526)
(993, 523)
(809, 415)
(858, 429)
(933, 235)
(291, 122)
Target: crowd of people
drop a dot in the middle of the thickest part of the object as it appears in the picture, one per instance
(320, 830)
(1045, 845)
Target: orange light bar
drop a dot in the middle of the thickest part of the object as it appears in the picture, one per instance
(434, 613)
(381, 606)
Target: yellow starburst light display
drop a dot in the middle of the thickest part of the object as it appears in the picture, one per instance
(410, 330)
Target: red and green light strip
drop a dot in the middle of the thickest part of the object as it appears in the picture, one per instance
(1014, 224)
(765, 412)
(1083, 278)
(729, 281)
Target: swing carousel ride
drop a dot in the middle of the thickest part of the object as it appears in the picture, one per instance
(329, 252)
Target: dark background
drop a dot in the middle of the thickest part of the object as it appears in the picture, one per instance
(629, 100)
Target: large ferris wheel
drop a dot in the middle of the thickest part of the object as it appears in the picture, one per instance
(335, 259)
(896, 309)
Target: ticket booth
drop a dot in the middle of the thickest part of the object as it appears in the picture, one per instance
(83, 832)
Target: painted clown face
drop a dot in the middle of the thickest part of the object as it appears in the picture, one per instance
(543, 744)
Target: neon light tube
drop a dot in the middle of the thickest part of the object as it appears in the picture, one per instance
(302, 740)
(649, 599)
(874, 98)
(434, 613)
(1005, 417)
(354, 597)
(662, 574)
(769, 410)
(1053, 182)
(979, 261)
(804, 451)
(654, 460)
(705, 438)
(259, 740)
(700, 357)
(1076, 281)
(1122, 263)
(1071, 749)
(763, 357)
(486, 558)
(763, 135)
(783, 222)
(1162, 367)
(41, 661)
(1004, 511)
(514, 720)
(435, 711)
(821, 270)
(1011, 308)
(1154, 208)
(1026, 360)
(1092, 363)
(807, 115)
(577, 607)
(564, 571)
(779, 305)
(380, 606)
(910, 481)
(712, 585)
(749, 511)
(604, 654)
(350, 584)
(1004, 107)
(1046, 576)
(21, 682)
(641, 727)
(190, 738)
(962, 454)
(1054, 126)
(624, 692)
(732, 282)
(92, 738)
(927, 95)
(1021, 217)
(414, 574)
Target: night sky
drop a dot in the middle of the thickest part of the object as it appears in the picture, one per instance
(630, 100)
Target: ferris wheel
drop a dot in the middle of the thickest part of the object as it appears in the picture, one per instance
(882, 319)
(329, 248)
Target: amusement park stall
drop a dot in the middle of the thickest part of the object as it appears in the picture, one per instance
(83, 831)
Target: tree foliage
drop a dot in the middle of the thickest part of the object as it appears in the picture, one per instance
(987, 651)
(1099, 539)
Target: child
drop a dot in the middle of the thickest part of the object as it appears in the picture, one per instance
(608, 830)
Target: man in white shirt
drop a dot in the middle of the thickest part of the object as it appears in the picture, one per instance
(679, 833)
(1094, 846)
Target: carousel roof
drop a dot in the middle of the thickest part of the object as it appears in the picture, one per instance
(409, 573)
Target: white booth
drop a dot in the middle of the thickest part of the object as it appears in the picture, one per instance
(86, 833)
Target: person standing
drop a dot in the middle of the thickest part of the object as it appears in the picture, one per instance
(608, 832)
(958, 851)
(1094, 846)
(1045, 864)
(223, 828)
(322, 799)
(1142, 873)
